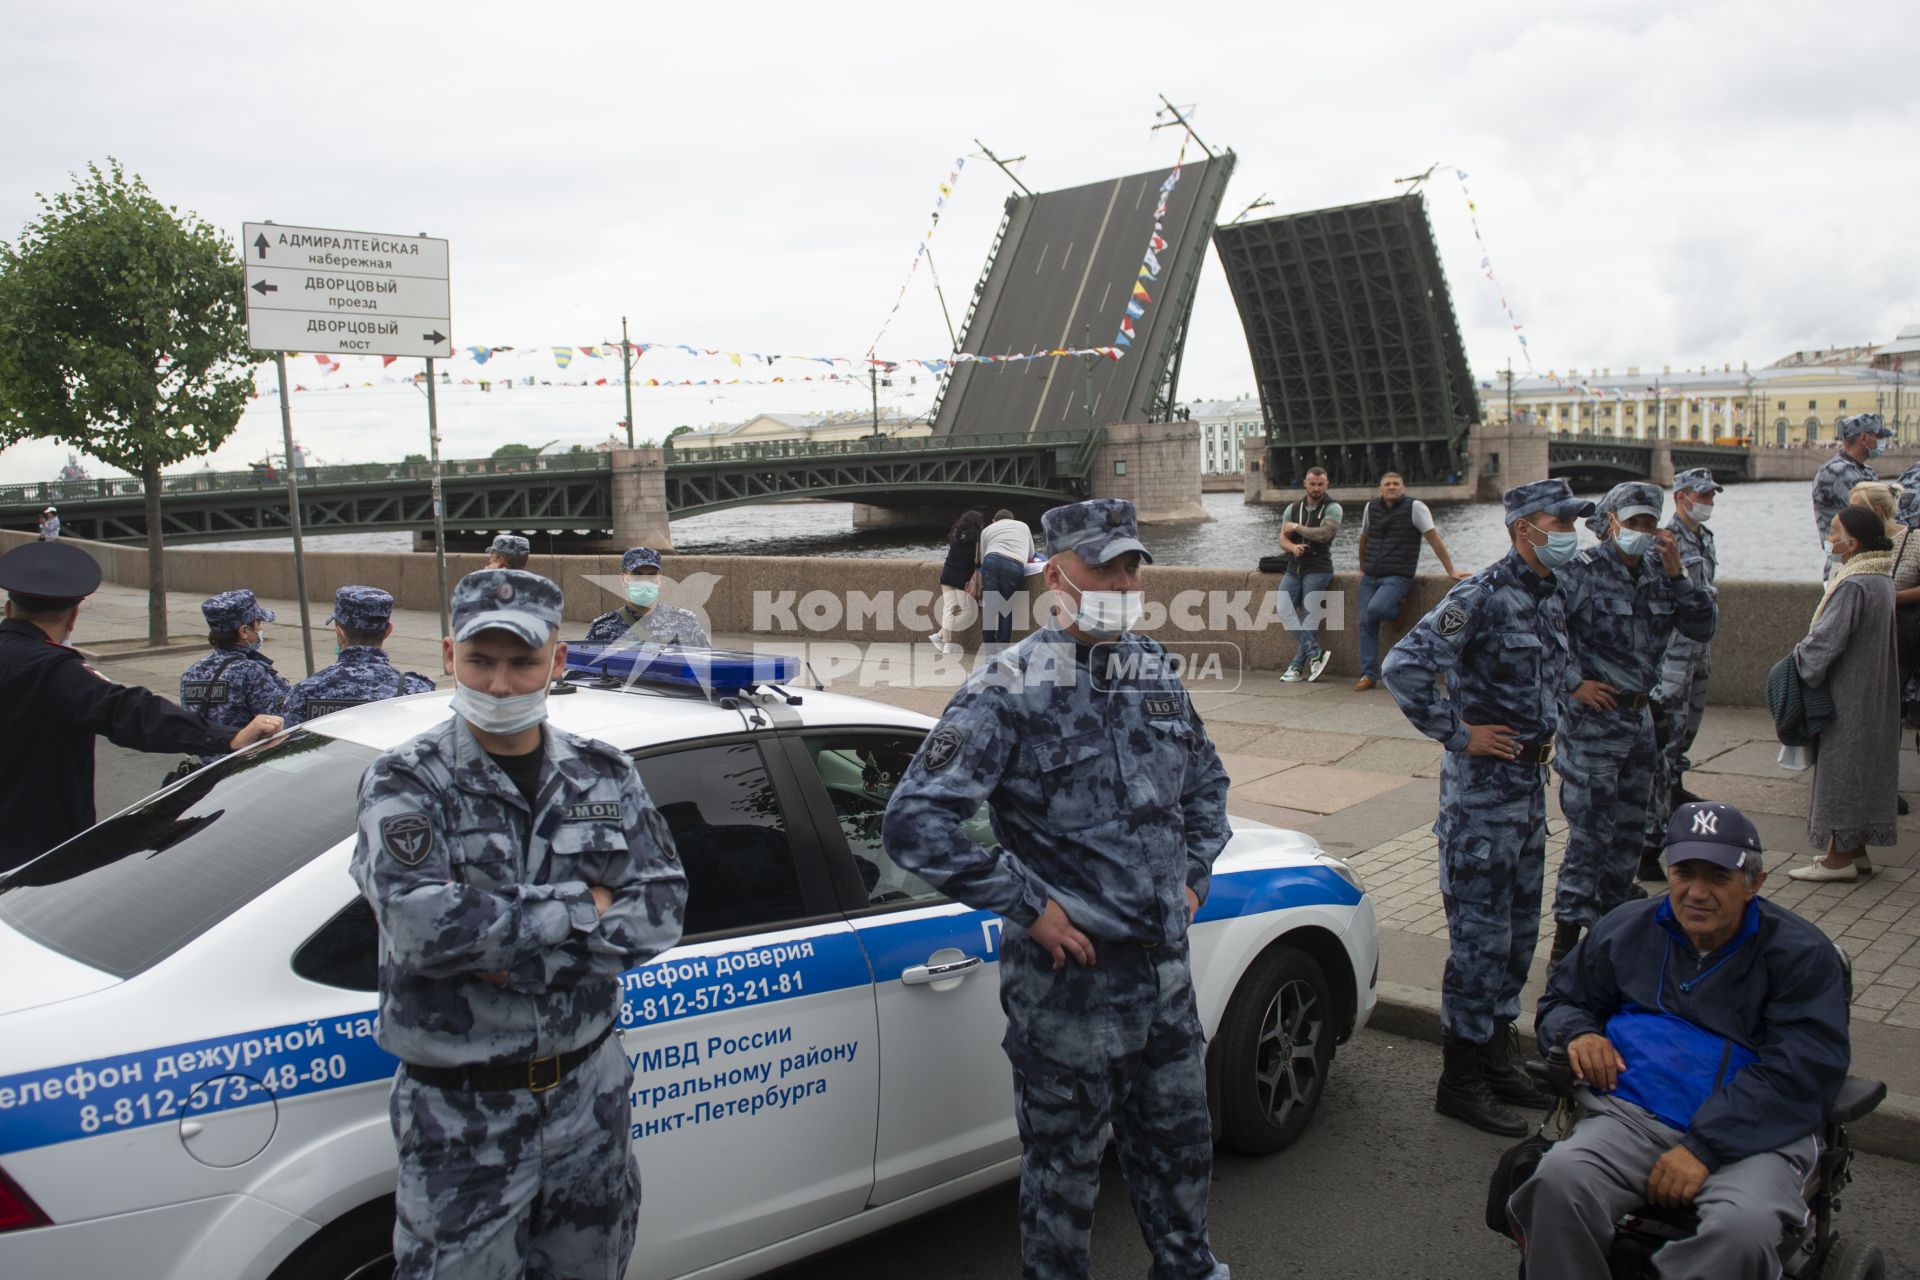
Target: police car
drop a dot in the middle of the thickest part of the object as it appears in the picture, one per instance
(189, 1084)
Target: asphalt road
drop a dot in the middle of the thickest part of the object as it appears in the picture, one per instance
(1379, 1186)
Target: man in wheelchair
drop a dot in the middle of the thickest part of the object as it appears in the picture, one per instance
(1708, 1032)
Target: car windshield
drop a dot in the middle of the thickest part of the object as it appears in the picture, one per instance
(130, 892)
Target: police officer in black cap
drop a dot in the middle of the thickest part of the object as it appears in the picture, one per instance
(52, 704)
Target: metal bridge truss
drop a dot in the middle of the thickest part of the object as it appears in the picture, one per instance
(1605, 456)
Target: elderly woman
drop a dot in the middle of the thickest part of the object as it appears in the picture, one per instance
(1849, 650)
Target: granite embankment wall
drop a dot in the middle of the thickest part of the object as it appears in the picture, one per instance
(808, 599)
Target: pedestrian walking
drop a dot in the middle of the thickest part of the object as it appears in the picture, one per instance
(1500, 639)
(958, 580)
(645, 618)
(1849, 650)
(50, 525)
(1680, 697)
(1307, 530)
(53, 704)
(1005, 547)
(1390, 532)
(1110, 804)
(236, 681)
(1862, 436)
(1624, 600)
(362, 619)
(508, 551)
(514, 870)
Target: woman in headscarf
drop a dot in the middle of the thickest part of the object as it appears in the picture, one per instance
(1849, 651)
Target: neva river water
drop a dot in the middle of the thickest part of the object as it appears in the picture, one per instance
(1764, 531)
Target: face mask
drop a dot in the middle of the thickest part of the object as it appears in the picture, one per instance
(643, 594)
(500, 715)
(256, 642)
(1631, 543)
(1108, 615)
(1559, 548)
(1879, 447)
(1701, 512)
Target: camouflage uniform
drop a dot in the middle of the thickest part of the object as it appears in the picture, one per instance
(232, 685)
(1833, 483)
(467, 879)
(1619, 618)
(1108, 798)
(1680, 698)
(513, 548)
(1500, 639)
(363, 672)
(660, 623)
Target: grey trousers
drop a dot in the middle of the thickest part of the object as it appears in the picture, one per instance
(1567, 1210)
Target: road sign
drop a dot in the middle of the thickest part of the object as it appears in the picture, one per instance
(315, 289)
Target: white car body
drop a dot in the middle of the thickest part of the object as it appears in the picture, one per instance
(213, 1113)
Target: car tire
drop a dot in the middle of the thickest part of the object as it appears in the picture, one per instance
(1275, 1046)
(358, 1246)
(1853, 1260)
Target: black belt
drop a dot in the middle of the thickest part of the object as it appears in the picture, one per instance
(1534, 752)
(537, 1075)
(1632, 701)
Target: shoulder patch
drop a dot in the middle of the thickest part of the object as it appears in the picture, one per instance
(1163, 705)
(407, 837)
(1452, 620)
(594, 811)
(943, 746)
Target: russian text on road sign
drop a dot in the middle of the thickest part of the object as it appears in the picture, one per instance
(320, 290)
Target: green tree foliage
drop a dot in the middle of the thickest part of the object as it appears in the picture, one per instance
(122, 333)
(514, 451)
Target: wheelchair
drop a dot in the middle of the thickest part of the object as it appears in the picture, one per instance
(1815, 1251)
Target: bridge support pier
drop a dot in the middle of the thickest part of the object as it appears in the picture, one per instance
(1155, 466)
(639, 501)
(866, 517)
(1505, 454)
(1660, 464)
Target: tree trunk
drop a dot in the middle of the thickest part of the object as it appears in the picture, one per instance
(156, 563)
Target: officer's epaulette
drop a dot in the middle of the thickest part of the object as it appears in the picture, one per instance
(590, 746)
(1149, 643)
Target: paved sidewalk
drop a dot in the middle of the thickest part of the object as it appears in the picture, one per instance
(1341, 765)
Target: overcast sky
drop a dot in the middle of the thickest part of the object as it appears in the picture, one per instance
(1658, 183)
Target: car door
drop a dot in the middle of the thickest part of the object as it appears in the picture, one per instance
(753, 1042)
(946, 1091)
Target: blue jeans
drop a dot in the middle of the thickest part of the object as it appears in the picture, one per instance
(1298, 587)
(1380, 601)
(1001, 578)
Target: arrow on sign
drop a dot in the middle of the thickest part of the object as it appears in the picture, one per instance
(435, 336)
(261, 244)
(263, 288)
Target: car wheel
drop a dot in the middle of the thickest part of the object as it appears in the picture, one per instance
(1853, 1260)
(358, 1246)
(1276, 1043)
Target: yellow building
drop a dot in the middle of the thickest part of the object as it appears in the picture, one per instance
(792, 428)
(1775, 407)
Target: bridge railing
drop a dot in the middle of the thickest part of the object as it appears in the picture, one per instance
(265, 477)
(870, 446)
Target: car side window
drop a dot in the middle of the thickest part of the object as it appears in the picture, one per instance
(344, 952)
(731, 835)
(859, 771)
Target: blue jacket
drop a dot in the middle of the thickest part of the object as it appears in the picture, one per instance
(1774, 997)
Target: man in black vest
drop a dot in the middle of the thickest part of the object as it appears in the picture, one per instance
(1307, 531)
(1390, 534)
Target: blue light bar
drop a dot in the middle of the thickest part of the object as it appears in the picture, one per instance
(721, 670)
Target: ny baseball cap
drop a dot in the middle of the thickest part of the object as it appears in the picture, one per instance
(1710, 831)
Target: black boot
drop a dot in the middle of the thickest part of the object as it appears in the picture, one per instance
(1651, 867)
(1505, 1080)
(1901, 802)
(1564, 936)
(1463, 1092)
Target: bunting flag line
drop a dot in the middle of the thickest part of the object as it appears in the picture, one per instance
(920, 250)
(1486, 268)
(1140, 299)
(563, 356)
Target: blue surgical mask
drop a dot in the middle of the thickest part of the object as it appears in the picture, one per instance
(643, 594)
(507, 715)
(1879, 447)
(1559, 548)
(1631, 543)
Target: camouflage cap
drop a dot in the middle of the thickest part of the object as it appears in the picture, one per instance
(1860, 424)
(1626, 500)
(1695, 480)
(638, 558)
(508, 544)
(513, 600)
(1096, 530)
(1554, 497)
(232, 610)
(362, 608)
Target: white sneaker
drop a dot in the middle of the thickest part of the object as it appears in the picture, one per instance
(1820, 871)
(1292, 675)
(1319, 664)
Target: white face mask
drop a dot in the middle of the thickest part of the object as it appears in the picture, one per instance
(1108, 615)
(500, 715)
(1701, 512)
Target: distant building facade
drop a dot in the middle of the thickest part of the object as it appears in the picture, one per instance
(1224, 426)
(775, 429)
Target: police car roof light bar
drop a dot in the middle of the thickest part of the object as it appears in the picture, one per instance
(709, 670)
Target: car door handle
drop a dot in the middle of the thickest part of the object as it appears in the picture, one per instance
(920, 974)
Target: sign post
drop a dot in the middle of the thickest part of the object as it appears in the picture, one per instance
(317, 289)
